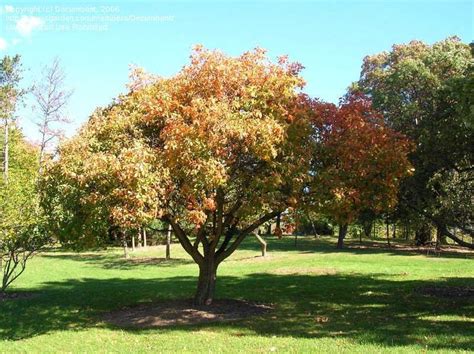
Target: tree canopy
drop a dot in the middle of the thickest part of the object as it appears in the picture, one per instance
(216, 151)
(425, 91)
(358, 161)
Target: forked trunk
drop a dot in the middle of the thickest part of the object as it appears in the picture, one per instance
(342, 235)
(206, 283)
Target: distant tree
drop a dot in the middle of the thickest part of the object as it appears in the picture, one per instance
(51, 99)
(20, 217)
(426, 92)
(216, 151)
(358, 163)
(21, 234)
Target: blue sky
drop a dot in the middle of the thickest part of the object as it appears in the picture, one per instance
(97, 40)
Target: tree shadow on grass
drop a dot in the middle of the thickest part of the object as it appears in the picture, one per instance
(310, 244)
(361, 308)
(111, 261)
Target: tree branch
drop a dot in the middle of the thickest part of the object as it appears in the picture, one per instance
(184, 240)
(445, 231)
(243, 233)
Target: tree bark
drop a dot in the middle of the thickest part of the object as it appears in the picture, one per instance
(342, 235)
(456, 239)
(144, 238)
(440, 237)
(139, 238)
(168, 243)
(5, 152)
(388, 233)
(423, 234)
(206, 282)
(211, 257)
(125, 248)
(278, 221)
(263, 244)
(367, 226)
(314, 229)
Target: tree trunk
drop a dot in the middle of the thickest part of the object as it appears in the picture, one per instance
(423, 234)
(144, 238)
(125, 248)
(41, 152)
(388, 233)
(269, 228)
(263, 244)
(206, 282)
(367, 226)
(5, 152)
(133, 243)
(440, 237)
(456, 239)
(278, 221)
(168, 243)
(342, 235)
(314, 229)
(212, 255)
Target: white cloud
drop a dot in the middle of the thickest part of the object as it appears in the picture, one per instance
(3, 44)
(26, 24)
(16, 41)
(9, 9)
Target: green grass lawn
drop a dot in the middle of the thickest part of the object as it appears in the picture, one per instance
(370, 297)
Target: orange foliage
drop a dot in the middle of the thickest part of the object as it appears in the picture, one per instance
(360, 160)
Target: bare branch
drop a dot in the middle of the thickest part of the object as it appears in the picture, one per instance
(51, 100)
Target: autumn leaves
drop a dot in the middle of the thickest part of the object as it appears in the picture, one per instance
(216, 151)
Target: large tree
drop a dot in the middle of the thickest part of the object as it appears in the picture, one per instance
(425, 91)
(359, 161)
(216, 151)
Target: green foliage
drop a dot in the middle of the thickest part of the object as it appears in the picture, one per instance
(10, 93)
(426, 91)
(20, 220)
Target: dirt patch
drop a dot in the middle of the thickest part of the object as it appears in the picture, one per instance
(304, 271)
(184, 312)
(447, 291)
(17, 295)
